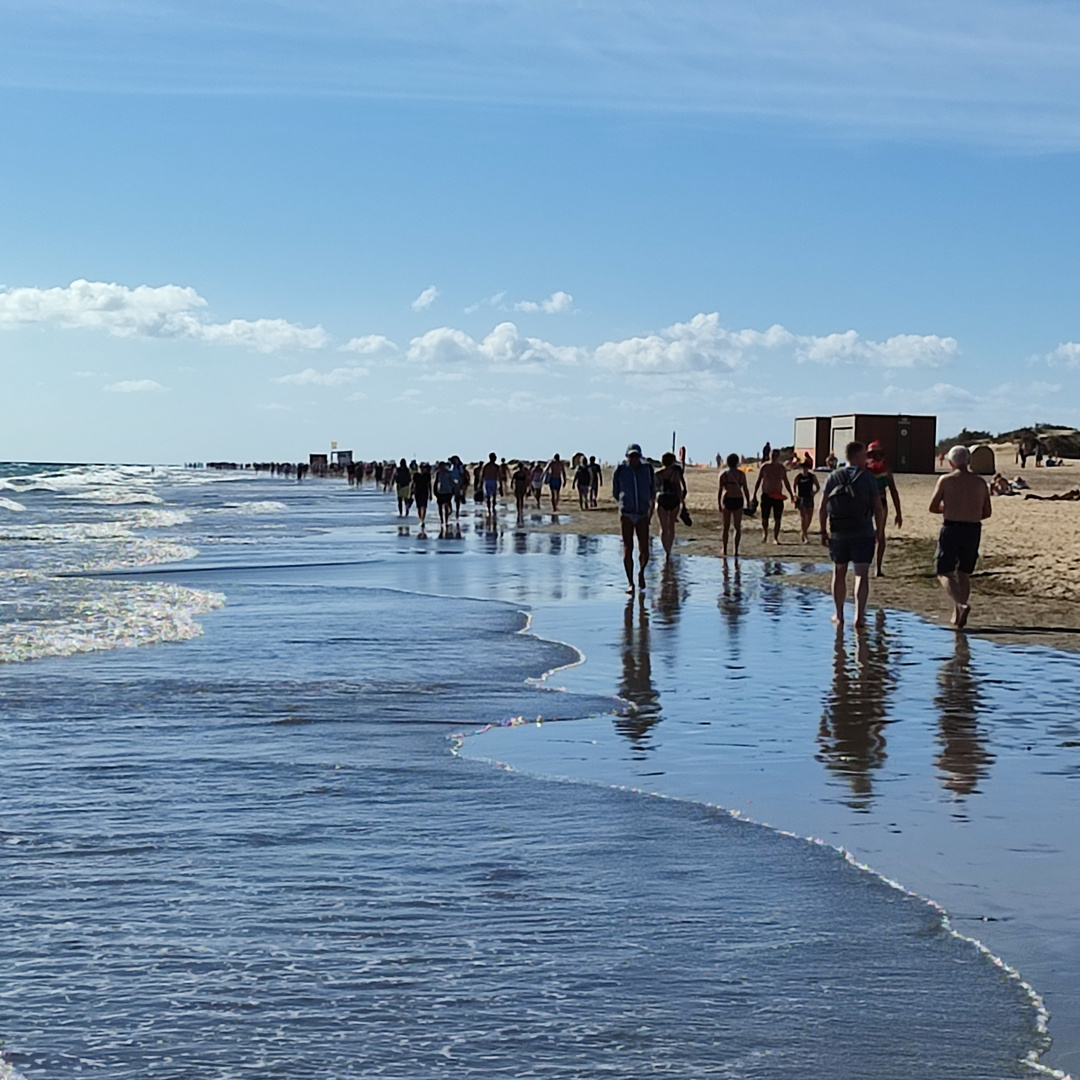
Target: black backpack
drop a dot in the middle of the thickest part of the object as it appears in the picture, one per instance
(849, 510)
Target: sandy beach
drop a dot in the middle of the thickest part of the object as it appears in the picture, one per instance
(1026, 588)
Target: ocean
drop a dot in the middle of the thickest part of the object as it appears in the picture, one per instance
(247, 828)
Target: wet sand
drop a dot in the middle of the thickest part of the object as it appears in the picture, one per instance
(1026, 589)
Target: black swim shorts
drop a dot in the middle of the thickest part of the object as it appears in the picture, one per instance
(844, 549)
(770, 504)
(958, 547)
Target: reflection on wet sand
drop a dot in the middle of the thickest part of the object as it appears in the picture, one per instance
(636, 685)
(964, 759)
(672, 593)
(851, 735)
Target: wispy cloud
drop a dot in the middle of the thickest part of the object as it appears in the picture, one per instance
(341, 376)
(491, 301)
(556, 304)
(988, 71)
(426, 299)
(136, 386)
(163, 311)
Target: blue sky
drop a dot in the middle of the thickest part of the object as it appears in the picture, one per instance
(419, 228)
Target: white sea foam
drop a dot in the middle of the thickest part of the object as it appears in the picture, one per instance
(11, 504)
(265, 506)
(7, 1072)
(110, 616)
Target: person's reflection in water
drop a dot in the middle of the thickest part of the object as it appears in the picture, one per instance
(964, 759)
(851, 735)
(731, 602)
(636, 685)
(670, 597)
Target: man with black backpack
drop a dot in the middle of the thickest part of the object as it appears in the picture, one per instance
(849, 528)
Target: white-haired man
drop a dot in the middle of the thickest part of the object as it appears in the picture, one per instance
(964, 500)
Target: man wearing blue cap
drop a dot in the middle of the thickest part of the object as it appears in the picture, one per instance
(634, 486)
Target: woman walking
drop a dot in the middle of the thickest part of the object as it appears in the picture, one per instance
(732, 497)
(806, 487)
(671, 485)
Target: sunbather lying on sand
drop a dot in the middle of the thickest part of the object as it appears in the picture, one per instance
(1068, 496)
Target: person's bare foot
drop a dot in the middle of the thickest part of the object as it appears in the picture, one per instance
(836, 620)
(641, 580)
(962, 613)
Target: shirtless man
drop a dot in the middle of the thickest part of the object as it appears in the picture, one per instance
(489, 478)
(772, 480)
(964, 500)
(555, 473)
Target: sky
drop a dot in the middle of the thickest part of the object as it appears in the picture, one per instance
(241, 230)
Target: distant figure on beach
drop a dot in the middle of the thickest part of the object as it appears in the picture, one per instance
(732, 497)
(806, 488)
(671, 495)
(555, 475)
(445, 486)
(848, 518)
(633, 486)
(521, 481)
(504, 477)
(875, 462)
(583, 484)
(403, 483)
(766, 453)
(831, 462)
(597, 475)
(461, 482)
(964, 501)
(772, 480)
(421, 491)
(489, 478)
(537, 482)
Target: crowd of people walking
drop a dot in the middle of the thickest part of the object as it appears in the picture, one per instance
(852, 515)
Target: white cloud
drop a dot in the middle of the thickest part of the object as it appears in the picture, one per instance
(341, 376)
(425, 299)
(1066, 355)
(556, 304)
(444, 376)
(504, 345)
(164, 311)
(900, 351)
(369, 345)
(136, 386)
(701, 344)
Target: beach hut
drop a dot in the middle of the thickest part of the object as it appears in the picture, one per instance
(982, 460)
(907, 441)
(812, 437)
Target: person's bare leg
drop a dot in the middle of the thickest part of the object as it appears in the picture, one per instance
(627, 527)
(958, 586)
(839, 591)
(880, 549)
(667, 530)
(862, 592)
(643, 539)
(764, 527)
(726, 519)
(776, 530)
(554, 500)
(738, 531)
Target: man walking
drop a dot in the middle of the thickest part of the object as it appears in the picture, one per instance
(964, 501)
(848, 519)
(772, 480)
(634, 487)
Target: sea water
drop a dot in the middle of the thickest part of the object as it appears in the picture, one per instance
(236, 839)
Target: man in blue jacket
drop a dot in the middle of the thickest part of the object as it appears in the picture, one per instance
(634, 487)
